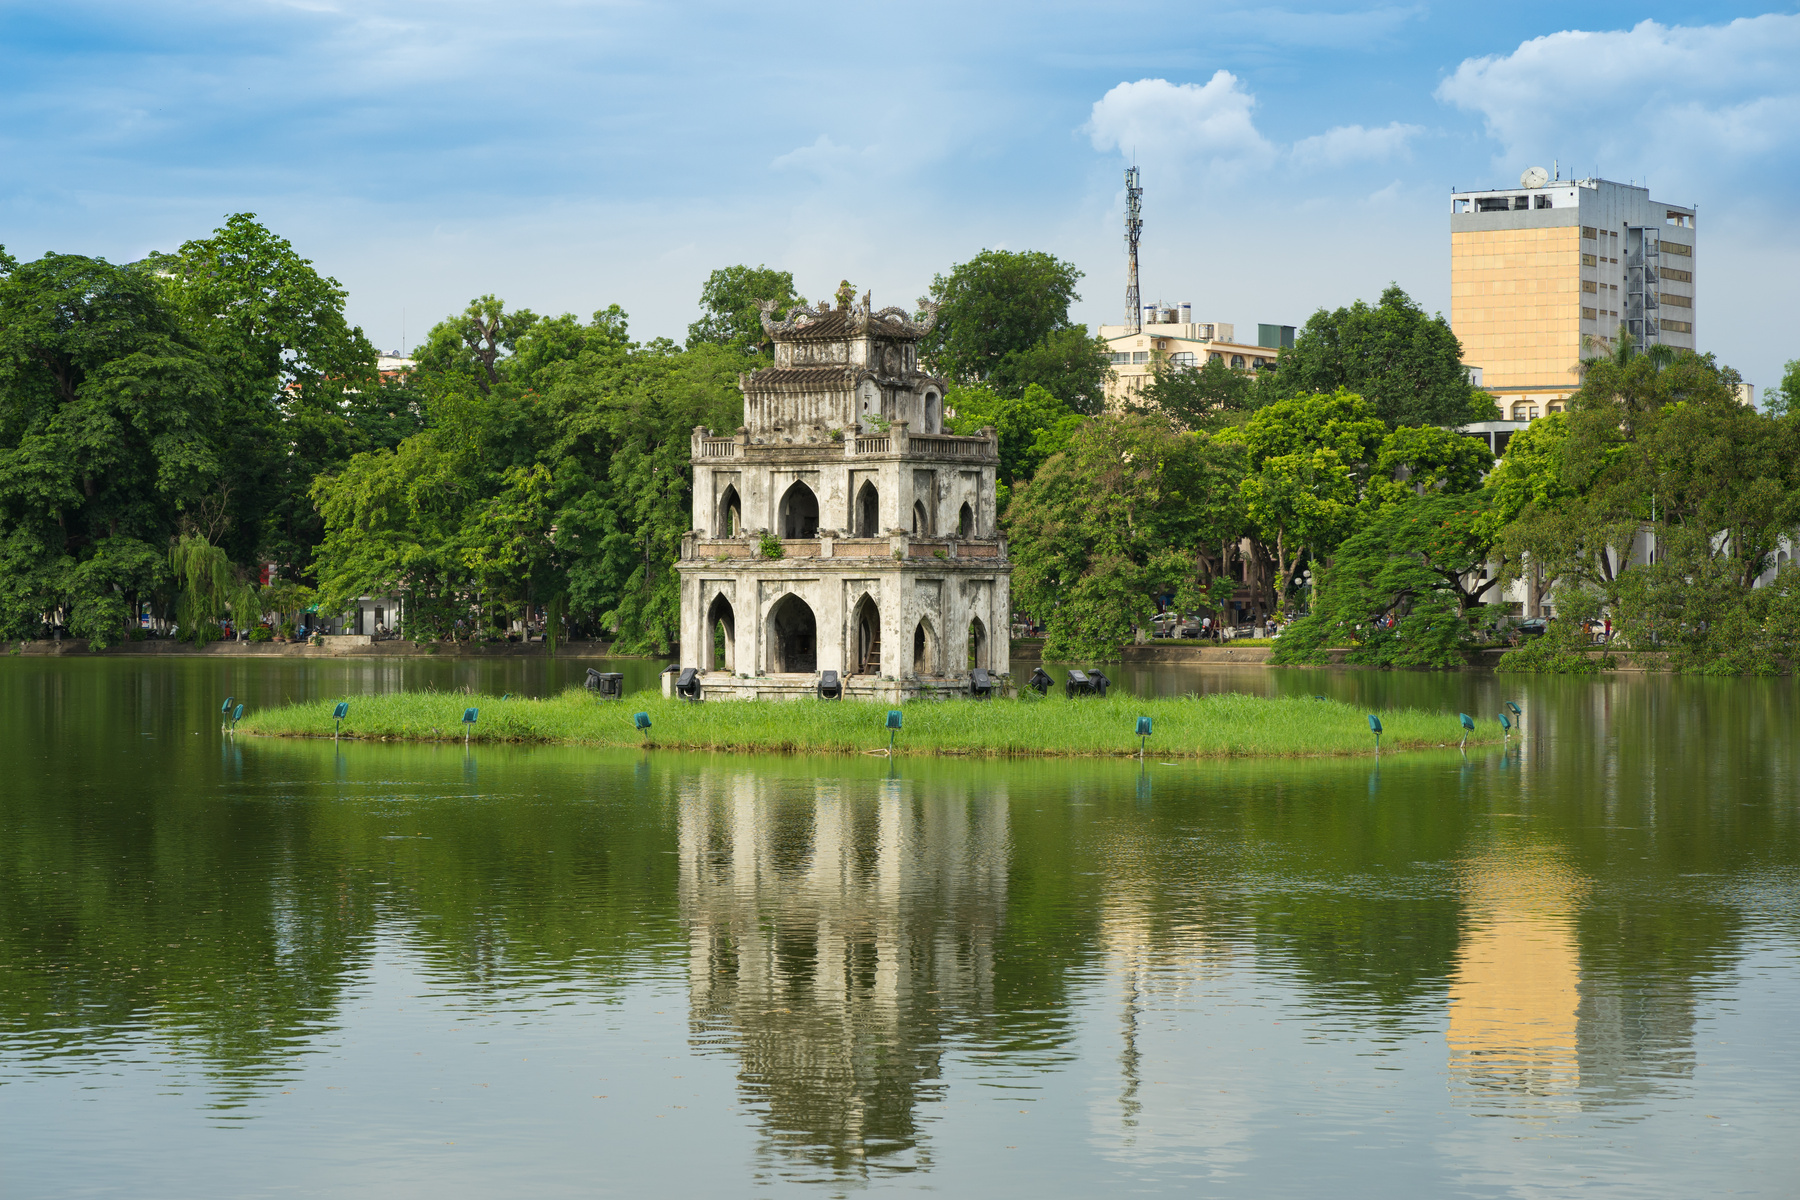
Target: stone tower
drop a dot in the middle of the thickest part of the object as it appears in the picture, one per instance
(890, 570)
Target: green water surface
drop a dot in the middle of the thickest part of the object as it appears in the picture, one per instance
(239, 967)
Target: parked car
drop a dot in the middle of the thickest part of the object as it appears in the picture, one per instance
(1533, 627)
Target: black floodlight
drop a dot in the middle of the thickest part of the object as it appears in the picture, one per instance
(981, 684)
(687, 684)
(592, 682)
(1079, 685)
(1040, 681)
(1098, 678)
(830, 686)
(609, 685)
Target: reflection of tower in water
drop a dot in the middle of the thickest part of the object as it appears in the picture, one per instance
(1515, 990)
(836, 929)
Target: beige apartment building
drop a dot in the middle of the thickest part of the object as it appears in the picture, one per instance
(1547, 273)
(1171, 335)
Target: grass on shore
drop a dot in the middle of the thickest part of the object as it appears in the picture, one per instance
(1225, 725)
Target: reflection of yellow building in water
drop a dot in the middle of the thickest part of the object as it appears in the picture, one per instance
(1514, 995)
(837, 928)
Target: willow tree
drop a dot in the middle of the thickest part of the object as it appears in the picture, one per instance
(210, 588)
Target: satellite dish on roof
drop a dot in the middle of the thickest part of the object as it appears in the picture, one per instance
(1534, 177)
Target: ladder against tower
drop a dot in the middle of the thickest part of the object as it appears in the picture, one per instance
(891, 569)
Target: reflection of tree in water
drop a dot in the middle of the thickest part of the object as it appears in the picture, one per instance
(231, 933)
(838, 929)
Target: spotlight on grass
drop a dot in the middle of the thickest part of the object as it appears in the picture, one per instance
(1375, 728)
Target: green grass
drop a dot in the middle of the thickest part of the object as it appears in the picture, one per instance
(1225, 725)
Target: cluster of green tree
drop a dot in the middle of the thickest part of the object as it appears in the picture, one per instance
(1663, 501)
(1657, 500)
(194, 394)
(1139, 512)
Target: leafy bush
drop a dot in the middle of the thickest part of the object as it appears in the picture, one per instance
(1564, 648)
(769, 546)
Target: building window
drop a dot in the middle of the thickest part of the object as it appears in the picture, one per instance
(1534, 412)
(1237, 360)
(1678, 326)
(1459, 205)
(1588, 285)
(1556, 408)
(1671, 274)
(1588, 314)
(1587, 231)
(1215, 356)
(1492, 204)
(1677, 301)
(1140, 357)
(1120, 357)
(1590, 260)
(1677, 248)
(1681, 220)
(1541, 201)
(1183, 358)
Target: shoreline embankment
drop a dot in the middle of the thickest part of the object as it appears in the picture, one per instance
(1026, 653)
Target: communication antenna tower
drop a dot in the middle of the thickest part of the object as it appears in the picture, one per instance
(1134, 229)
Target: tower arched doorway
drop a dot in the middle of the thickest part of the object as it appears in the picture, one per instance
(921, 521)
(719, 643)
(799, 515)
(868, 511)
(925, 650)
(965, 522)
(978, 645)
(793, 637)
(731, 514)
(865, 638)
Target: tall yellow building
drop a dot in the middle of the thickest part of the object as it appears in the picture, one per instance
(1538, 270)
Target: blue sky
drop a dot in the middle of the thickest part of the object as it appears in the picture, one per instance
(571, 155)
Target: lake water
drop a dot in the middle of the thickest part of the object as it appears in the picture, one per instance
(245, 968)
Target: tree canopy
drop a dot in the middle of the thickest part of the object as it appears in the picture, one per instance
(1003, 321)
(1406, 364)
(729, 316)
(1114, 521)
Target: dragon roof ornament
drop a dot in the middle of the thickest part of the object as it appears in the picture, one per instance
(855, 319)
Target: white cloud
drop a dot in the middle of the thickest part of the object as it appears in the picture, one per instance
(1348, 144)
(1673, 100)
(1177, 123)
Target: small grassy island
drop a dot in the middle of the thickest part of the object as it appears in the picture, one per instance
(1226, 725)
